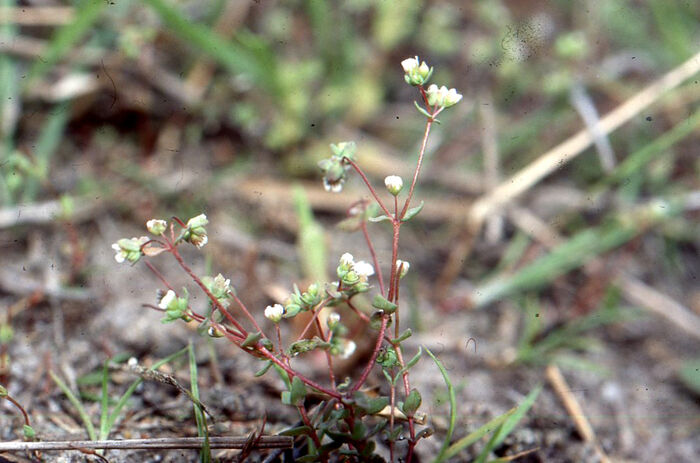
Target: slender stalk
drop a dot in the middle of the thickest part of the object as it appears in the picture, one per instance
(20, 408)
(217, 304)
(309, 382)
(380, 277)
(329, 357)
(159, 275)
(418, 166)
(246, 312)
(370, 364)
(369, 186)
(307, 422)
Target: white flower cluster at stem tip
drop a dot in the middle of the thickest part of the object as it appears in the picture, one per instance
(442, 96)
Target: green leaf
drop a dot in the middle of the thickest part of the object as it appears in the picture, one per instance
(402, 337)
(381, 218)
(412, 212)
(412, 362)
(381, 303)
(264, 369)
(297, 392)
(422, 110)
(29, 432)
(412, 402)
(251, 340)
(453, 409)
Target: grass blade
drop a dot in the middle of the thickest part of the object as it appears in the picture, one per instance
(578, 250)
(46, 146)
(104, 403)
(235, 57)
(442, 455)
(129, 392)
(199, 416)
(471, 438)
(77, 404)
(507, 427)
(65, 38)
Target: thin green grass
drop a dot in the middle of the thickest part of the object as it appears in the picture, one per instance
(255, 60)
(64, 39)
(199, 415)
(107, 418)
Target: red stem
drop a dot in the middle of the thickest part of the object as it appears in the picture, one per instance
(369, 186)
(20, 408)
(418, 166)
(380, 277)
(370, 364)
(246, 312)
(217, 304)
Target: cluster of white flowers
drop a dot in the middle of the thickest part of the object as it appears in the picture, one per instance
(442, 96)
(417, 72)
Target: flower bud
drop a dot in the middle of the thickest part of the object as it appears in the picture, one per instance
(402, 267)
(167, 300)
(156, 226)
(214, 333)
(349, 348)
(394, 184)
(196, 233)
(274, 313)
(333, 320)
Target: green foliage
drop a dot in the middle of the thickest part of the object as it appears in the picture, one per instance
(107, 417)
(539, 345)
(690, 375)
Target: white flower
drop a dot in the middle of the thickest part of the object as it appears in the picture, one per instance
(274, 312)
(363, 269)
(402, 267)
(452, 98)
(129, 249)
(409, 64)
(349, 348)
(333, 320)
(201, 241)
(335, 187)
(167, 299)
(120, 256)
(394, 184)
(442, 96)
(156, 226)
(347, 259)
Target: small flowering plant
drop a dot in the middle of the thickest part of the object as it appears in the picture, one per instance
(348, 419)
